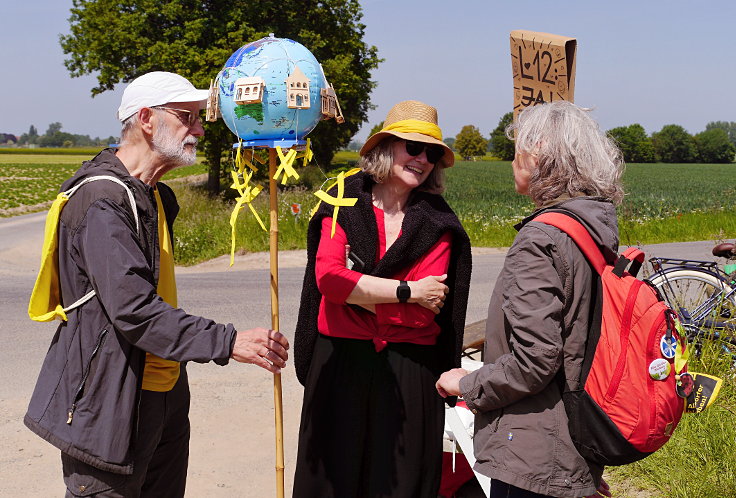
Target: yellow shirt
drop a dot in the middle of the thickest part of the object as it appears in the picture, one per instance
(160, 375)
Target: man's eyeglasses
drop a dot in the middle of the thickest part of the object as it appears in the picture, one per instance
(434, 152)
(189, 118)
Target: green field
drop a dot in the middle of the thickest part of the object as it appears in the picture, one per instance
(51, 151)
(29, 182)
(664, 202)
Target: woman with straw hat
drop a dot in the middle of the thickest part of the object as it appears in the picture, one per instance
(382, 314)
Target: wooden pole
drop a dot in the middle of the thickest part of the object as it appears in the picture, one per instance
(274, 252)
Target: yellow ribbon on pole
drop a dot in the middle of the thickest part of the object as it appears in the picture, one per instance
(247, 194)
(285, 166)
(307, 153)
(338, 201)
(241, 160)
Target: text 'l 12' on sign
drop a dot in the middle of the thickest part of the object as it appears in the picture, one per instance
(543, 67)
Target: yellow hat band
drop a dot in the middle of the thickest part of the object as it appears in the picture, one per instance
(415, 126)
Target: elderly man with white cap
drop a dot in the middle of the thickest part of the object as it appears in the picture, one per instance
(112, 394)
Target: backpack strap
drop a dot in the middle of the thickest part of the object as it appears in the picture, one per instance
(577, 233)
(79, 302)
(111, 178)
(636, 257)
(580, 235)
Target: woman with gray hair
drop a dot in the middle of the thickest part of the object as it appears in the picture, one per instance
(541, 310)
(382, 315)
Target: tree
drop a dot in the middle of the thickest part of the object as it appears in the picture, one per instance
(29, 138)
(53, 128)
(728, 126)
(714, 146)
(634, 142)
(673, 144)
(56, 139)
(501, 145)
(469, 142)
(376, 129)
(122, 40)
(8, 138)
(450, 142)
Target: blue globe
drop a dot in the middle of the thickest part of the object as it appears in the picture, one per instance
(263, 66)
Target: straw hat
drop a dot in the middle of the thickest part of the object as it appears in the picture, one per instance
(411, 120)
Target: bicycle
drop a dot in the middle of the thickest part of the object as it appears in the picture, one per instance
(703, 294)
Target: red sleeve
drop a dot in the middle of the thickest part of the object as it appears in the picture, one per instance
(334, 280)
(435, 262)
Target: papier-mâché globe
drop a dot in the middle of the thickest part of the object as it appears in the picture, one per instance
(270, 61)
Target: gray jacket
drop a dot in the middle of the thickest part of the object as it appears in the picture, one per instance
(86, 399)
(538, 318)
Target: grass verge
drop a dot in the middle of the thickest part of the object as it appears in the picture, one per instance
(203, 231)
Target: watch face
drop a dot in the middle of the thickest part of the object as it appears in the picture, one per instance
(403, 292)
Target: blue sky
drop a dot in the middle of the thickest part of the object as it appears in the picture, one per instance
(651, 62)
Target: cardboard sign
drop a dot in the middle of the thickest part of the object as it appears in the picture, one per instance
(543, 67)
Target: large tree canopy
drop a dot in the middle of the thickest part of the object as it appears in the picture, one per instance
(634, 142)
(714, 146)
(673, 144)
(728, 126)
(120, 40)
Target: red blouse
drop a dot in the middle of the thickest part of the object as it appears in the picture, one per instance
(392, 322)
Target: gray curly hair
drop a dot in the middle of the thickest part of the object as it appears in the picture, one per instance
(574, 155)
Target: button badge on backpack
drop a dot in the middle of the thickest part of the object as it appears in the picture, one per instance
(659, 369)
(684, 385)
(668, 346)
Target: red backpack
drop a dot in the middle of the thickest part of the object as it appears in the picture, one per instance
(622, 414)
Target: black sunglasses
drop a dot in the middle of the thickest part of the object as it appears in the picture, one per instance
(434, 152)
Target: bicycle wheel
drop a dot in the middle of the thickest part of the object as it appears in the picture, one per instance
(705, 302)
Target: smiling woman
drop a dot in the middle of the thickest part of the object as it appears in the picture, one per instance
(382, 313)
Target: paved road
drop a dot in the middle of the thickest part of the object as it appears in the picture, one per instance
(224, 399)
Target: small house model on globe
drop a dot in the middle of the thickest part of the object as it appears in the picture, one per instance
(272, 92)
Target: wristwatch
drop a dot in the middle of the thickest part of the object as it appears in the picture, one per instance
(403, 291)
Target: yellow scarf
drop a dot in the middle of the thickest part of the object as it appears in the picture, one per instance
(415, 126)
(160, 375)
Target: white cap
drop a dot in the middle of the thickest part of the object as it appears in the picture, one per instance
(158, 88)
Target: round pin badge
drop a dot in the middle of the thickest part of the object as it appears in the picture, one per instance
(685, 385)
(659, 369)
(668, 346)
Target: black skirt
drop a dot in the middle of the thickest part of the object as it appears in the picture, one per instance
(371, 422)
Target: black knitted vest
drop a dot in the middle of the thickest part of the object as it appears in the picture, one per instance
(427, 217)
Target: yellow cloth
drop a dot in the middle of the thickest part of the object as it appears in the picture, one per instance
(45, 302)
(160, 375)
(415, 126)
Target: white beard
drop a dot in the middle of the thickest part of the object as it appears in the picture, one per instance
(172, 151)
